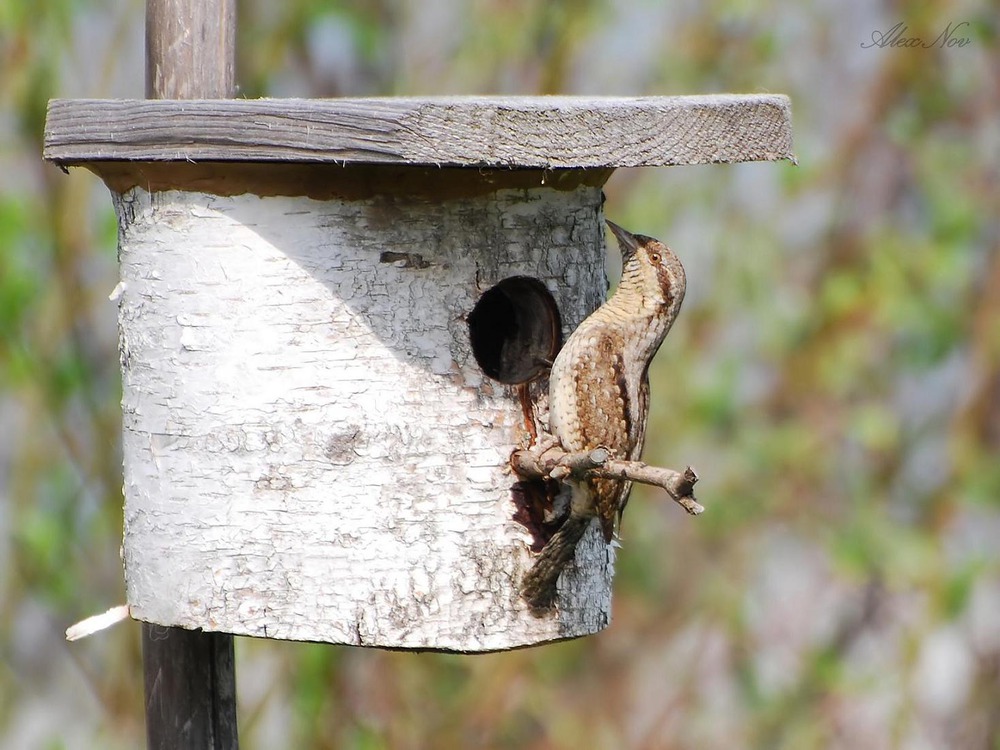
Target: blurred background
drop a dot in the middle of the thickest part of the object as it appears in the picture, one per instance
(834, 375)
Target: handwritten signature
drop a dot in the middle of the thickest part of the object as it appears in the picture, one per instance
(896, 37)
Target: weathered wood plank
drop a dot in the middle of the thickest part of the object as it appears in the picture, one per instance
(539, 132)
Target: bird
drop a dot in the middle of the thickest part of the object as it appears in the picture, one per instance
(599, 382)
(599, 392)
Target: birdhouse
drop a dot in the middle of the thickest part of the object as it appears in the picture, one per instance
(335, 323)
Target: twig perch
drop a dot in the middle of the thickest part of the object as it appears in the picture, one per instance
(555, 463)
(549, 461)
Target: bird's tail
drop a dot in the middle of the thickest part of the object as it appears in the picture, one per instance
(539, 585)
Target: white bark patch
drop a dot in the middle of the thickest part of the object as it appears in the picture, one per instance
(311, 450)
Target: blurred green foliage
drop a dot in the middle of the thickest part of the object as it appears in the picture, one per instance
(835, 376)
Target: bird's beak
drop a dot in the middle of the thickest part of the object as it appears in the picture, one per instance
(627, 242)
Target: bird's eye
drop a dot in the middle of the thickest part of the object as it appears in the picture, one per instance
(654, 257)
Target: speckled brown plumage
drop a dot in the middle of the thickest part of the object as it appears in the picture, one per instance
(599, 384)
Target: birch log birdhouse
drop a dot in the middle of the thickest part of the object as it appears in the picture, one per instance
(334, 316)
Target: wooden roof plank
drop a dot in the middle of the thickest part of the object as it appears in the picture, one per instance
(514, 132)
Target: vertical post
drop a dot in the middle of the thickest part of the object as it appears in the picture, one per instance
(190, 684)
(190, 49)
(189, 676)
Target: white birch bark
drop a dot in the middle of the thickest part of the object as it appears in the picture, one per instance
(311, 450)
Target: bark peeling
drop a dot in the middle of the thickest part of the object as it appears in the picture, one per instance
(311, 450)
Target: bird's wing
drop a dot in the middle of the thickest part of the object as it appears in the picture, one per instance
(608, 417)
(635, 453)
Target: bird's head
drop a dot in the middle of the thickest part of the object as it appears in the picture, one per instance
(650, 269)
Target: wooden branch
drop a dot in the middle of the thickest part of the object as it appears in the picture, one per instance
(509, 132)
(555, 463)
(679, 485)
